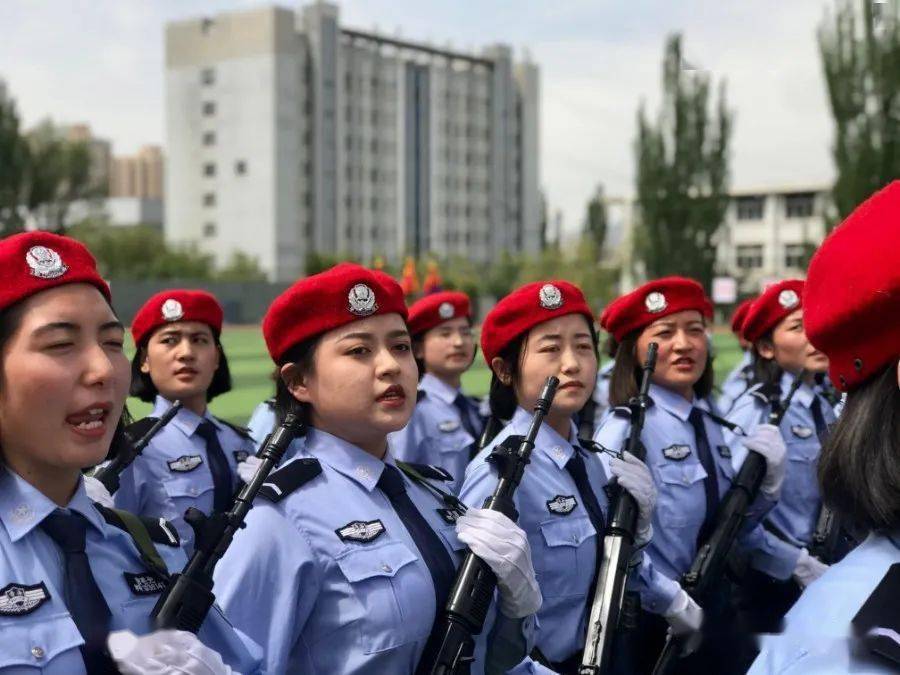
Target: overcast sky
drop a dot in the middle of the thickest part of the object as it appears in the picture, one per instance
(101, 61)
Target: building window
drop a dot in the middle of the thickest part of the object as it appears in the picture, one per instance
(209, 108)
(240, 167)
(209, 138)
(799, 205)
(750, 256)
(209, 199)
(208, 76)
(209, 169)
(796, 256)
(209, 230)
(750, 208)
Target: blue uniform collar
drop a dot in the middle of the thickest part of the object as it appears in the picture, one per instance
(346, 458)
(804, 395)
(186, 421)
(434, 387)
(23, 507)
(674, 403)
(554, 446)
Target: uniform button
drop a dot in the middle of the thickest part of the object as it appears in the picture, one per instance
(386, 567)
(686, 480)
(37, 652)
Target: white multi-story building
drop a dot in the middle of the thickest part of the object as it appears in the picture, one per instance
(287, 134)
(768, 234)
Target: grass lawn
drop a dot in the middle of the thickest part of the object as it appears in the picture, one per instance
(251, 367)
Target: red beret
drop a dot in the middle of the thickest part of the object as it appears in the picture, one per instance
(852, 295)
(652, 301)
(436, 308)
(176, 304)
(325, 301)
(32, 262)
(740, 314)
(775, 303)
(525, 308)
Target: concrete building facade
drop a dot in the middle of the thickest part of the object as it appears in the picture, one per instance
(139, 176)
(288, 134)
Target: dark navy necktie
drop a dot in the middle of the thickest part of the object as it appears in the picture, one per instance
(433, 552)
(223, 485)
(466, 413)
(819, 419)
(711, 482)
(82, 595)
(576, 468)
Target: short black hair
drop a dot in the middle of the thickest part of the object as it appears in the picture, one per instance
(626, 375)
(502, 397)
(859, 466)
(142, 384)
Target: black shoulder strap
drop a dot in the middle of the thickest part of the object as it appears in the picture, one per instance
(418, 474)
(290, 477)
(431, 471)
(877, 623)
(765, 391)
(240, 431)
(136, 430)
(144, 532)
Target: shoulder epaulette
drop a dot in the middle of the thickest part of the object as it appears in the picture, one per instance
(161, 531)
(240, 431)
(625, 412)
(136, 430)
(503, 451)
(270, 402)
(427, 471)
(876, 623)
(288, 478)
(420, 394)
(765, 391)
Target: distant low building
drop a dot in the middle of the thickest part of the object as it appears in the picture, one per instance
(139, 176)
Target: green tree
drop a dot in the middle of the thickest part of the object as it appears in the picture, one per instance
(58, 173)
(596, 220)
(13, 168)
(860, 52)
(682, 173)
(241, 267)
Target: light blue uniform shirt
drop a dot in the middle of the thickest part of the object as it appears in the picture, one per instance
(796, 513)
(320, 603)
(41, 636)
(262, 422)
(818, 629)
(736, 383)
(435, 434)
(672, 458)
(562, 539)
(176, 460)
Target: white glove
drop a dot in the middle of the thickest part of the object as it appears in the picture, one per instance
(504, 547)
(685, 618)
(247, 469)
(165, 651)
(97, 492)
(808, 569)
(766, 440)
(633, 475)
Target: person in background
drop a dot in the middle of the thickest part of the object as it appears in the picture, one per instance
(446, 425)
(741, 376)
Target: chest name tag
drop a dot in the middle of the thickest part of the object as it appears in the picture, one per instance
(448, 425)
(145, 583)
(562, 504)
(724, 451)
(185, 463)
(449, 515)
(801, 432)
(21, 599)
(361, 531)
(241, 456)
(677, 452)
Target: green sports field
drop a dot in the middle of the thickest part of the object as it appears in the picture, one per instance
(251, 369)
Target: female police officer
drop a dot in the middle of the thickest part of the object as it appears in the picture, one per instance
(847, 620)
(445, 426)
(781, 564)
(195, 456)
(347, 561)
(686, 454)
(539, 330)
(68, 573)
